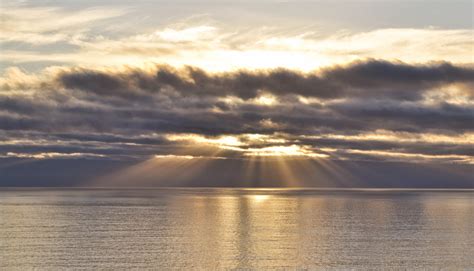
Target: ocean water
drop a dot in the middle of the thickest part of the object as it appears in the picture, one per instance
(213, 229)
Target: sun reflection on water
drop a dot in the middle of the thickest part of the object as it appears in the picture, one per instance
(259, 198)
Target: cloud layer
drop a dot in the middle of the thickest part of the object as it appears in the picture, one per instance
(368, 110)
(326, 91)
(38, 35)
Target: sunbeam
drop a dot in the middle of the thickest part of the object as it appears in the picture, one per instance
(167, 170)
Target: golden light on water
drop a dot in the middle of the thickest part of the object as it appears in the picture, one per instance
(259, 198)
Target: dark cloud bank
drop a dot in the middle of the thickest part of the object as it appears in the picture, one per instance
(361, 79)
(123, 117)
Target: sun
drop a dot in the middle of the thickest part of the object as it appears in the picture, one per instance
(249, 145)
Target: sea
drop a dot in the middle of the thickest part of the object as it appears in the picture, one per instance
(239, 229)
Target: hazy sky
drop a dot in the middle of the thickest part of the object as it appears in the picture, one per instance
(237, 93)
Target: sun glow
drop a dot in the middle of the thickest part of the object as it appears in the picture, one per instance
(292, 150)
(266, 99)
(218, 141)
(255, 161)
(249, 145)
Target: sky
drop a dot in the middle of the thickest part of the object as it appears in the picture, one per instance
(237, 93)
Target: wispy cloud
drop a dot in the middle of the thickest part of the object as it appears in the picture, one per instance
(218, 47)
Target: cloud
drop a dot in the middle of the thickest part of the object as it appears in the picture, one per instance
(372, 78)
(50, 155)
(374, 110)
(83, 38)
(230, 94)
(46, 25)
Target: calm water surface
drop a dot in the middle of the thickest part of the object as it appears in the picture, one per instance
(235, 229)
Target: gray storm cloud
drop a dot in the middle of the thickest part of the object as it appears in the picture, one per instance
(128, 113)
(371, 78)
